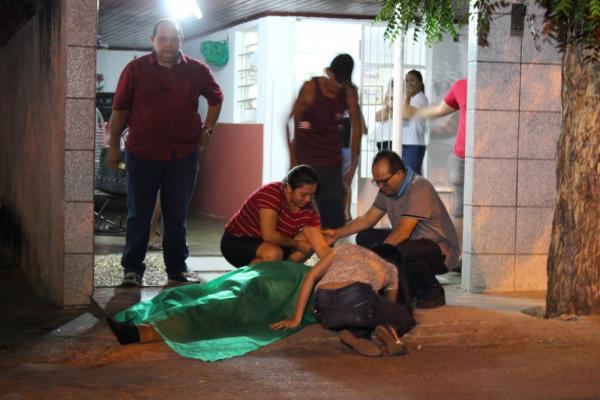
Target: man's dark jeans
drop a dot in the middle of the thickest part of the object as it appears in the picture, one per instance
(359, 309)
(422, 259)
(412, 155)
(176, 180)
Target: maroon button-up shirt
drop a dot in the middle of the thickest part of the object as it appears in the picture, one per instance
(163, 105)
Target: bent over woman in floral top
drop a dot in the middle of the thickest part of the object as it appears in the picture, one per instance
(349, 281)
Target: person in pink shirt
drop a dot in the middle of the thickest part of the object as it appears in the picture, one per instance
(455, 99)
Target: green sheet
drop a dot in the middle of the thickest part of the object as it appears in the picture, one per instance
(228, 316)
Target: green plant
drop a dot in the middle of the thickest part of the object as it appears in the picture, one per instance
(566, 21)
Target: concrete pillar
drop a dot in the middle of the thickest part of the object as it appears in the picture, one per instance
(513, 123)
(46, 139)
(81, 33)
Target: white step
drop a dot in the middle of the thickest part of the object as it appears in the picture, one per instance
(208, 264)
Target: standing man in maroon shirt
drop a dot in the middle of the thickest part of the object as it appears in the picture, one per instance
(157, 97)
(317, 142)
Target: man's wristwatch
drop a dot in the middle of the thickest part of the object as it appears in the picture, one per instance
(210, 131)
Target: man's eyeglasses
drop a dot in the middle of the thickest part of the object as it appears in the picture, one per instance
(382, 181)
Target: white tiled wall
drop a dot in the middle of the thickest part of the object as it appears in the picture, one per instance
(514, 117)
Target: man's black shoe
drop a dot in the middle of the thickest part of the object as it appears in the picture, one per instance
(178, 279)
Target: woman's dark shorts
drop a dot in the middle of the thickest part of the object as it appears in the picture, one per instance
(240, 250)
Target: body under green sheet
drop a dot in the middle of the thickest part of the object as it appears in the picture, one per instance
(228, 316)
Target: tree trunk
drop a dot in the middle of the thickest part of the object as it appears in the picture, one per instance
(574, 255)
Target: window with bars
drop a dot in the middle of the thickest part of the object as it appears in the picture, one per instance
(247, 76)
(376, 86)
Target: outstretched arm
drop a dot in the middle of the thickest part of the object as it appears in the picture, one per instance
(365, 221)
(314, 236)
(437, 111)
(311, 240)
(306, 288)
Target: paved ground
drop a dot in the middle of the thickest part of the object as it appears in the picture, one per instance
(477, 347)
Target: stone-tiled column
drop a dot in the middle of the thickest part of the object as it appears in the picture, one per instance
(513, 123)
(80, 32)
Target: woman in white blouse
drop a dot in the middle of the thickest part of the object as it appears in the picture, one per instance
(413, 130)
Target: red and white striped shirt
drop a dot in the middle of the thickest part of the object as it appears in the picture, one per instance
(246, 222)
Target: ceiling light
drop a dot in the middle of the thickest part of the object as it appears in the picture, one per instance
(183, 8)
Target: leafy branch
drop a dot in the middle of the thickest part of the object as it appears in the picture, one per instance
(566, 21)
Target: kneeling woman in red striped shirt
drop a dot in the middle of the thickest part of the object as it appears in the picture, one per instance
(277, 222)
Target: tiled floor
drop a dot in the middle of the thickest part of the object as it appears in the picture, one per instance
(204, 237)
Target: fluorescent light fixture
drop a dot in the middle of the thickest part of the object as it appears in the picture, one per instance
(183, 8)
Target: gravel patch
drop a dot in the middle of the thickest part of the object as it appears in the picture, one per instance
(108, 271)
